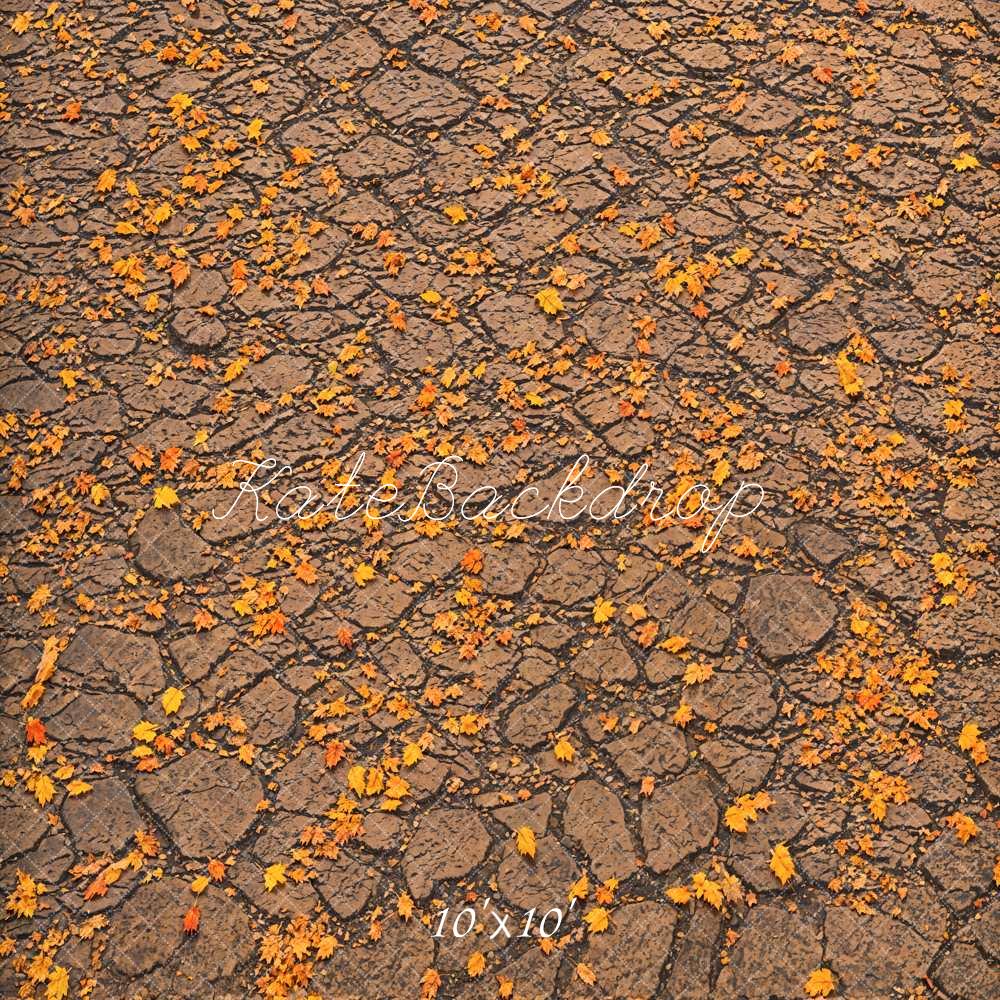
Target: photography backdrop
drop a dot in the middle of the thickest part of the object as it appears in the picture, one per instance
(740, 242)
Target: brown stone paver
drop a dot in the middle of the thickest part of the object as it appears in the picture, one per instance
(256, 756)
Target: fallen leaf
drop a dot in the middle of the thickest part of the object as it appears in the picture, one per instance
(679, 894)
(164, 496)
(172, 700)
(274, 875)
(820, 983)
(526, 841)
(549, 301)
(604, 611)
(781, 864)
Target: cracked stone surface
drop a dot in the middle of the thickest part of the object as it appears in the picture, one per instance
(253, 747)
(205, 804)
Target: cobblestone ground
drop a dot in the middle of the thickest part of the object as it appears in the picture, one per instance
(733, 240)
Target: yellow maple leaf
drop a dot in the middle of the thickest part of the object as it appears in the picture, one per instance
(179, 103)
(78, 787)
(58, 983)
(782, 864)
(744, 810)
(965, 162)
(603, 611)
(697, 673)
(679, 894)
(820, 983)
(200, 884)
(363, 573)
(848, 375)
(549, 301)
(253, 129)
(274, 875)
(356, 780)
(600, 138)
(180, 271)
(741, 255)
(969, 736)
(564, 750)
(708, 890)
(411, 754)
(964, 826)
(526, 841)
(585, 973)
(144, 731)
(683, 715)
(476, 964)
(597, 920)
(172, 700)
(404, 905)
(164, 496)
(456, 213)
(43, 789)
(107, 180)
(580, 888)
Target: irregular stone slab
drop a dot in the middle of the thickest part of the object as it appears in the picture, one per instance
(594, 817)
(99, 722)
(774, 956)
(205, 801)
(533, 812)
(107, 659)
(822, 544)
(787, 614)
(750, 852)
(345, 884)
(961, 870)
(415, 98)
(691, 974)
(874, 956)
(169, 550)
(22, 824)
(570, 577)
(740, 700)
(658, 748)
(345, 55)
(268, 709)
(537, 881)
(627, 958)
(197, 331)
(529, 724)
(448, 843)
(143, 939)
(394, 964)
(678, 819)
(965, 975)
(742, 767)
(606, 660)
(102, 819)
